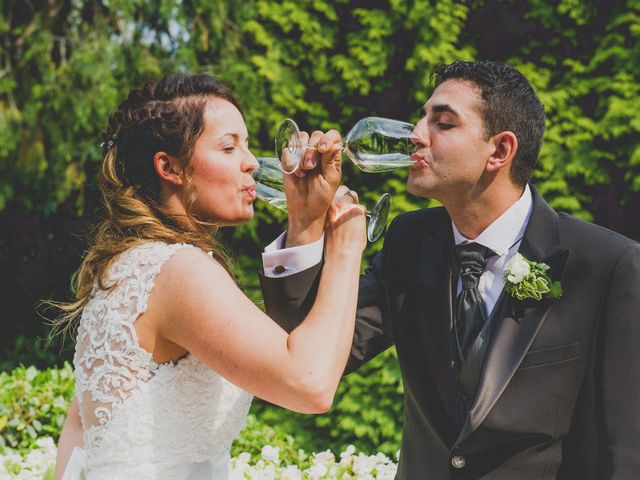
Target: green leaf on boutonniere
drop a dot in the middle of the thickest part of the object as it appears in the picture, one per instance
(525, 279)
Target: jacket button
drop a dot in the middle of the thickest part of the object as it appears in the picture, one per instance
(458, 461)
(279, 269)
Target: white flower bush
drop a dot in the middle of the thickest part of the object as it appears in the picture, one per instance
(34, 465)
(321, 466)
(271, 454)
(39, 463)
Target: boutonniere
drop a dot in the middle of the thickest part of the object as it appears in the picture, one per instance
(525, 279)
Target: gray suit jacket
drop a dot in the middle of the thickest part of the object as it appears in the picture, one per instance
(559, 396)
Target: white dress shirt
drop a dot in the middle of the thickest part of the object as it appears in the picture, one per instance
(503, 236)
(278, 261)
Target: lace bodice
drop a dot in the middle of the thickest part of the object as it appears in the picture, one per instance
(144, 420)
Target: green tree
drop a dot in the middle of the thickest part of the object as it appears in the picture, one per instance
(65, 65)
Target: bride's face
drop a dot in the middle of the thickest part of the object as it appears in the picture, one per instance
(222, 166)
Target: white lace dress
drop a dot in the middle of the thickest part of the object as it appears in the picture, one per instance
(142, 420)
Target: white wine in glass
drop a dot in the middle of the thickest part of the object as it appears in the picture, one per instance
(269, 179)
(374, 145)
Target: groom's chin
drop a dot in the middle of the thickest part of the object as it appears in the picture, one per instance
(415, 188)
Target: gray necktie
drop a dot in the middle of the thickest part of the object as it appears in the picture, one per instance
(470, 315)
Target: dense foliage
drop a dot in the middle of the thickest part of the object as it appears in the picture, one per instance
(65, 65)
(33, 404)
(367, 412)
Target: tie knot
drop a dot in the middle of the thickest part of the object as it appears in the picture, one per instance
(472, 260)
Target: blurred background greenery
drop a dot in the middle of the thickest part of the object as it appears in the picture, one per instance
(66, 64)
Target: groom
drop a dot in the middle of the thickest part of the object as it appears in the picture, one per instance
(495, 387)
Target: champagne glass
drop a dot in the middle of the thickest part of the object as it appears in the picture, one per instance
(269, 179)
(374, 145)
(269, 182)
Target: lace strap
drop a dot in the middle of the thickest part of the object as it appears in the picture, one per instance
(149, 259)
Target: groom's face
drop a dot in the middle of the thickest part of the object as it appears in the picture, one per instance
(451, 150)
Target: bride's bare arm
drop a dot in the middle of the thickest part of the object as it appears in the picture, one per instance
(197, 305)
(70, 437)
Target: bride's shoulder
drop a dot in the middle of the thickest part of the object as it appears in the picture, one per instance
(190, 275)
(185, 264)
(148, 258)
(188, 258)
(151, 249)
(157, 253)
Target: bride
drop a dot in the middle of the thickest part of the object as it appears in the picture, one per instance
(169, 351)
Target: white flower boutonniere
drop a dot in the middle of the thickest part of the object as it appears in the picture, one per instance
(526, 279)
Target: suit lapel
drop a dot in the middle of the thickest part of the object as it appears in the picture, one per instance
(516, 327)
(434, 299)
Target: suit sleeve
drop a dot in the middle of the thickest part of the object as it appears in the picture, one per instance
(289, 299)
(620, 371)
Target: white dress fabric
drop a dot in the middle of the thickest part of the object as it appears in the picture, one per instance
(142, 420)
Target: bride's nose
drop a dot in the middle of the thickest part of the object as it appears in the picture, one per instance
(251, 164)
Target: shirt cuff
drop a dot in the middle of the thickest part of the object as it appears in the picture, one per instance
(278, 261)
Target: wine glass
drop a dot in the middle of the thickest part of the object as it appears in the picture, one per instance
(269, 179)
(374, 145)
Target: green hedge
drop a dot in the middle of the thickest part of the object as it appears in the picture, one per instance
(326, 63)
(367, 412)
(33, 404)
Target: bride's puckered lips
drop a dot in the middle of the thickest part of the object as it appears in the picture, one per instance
(251, 191)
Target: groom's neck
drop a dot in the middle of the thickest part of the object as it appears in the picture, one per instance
(475, 212)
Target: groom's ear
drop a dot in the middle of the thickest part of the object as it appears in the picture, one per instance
(505, 148)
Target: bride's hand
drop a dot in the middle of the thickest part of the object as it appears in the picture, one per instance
(345, 224)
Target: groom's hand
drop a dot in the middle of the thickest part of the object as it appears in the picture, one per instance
(311, 189)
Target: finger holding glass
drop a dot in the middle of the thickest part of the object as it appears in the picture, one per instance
(345, 224)
(270, 186)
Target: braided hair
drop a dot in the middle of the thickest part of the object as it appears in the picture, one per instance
(166, 116)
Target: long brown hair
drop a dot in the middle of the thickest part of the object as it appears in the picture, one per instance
(162, 116)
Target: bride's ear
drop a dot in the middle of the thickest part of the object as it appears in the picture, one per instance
(168, 168)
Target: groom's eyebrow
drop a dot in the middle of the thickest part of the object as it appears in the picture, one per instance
(439, 108)
(444, 107)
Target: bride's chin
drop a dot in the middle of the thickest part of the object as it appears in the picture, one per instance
(247, 217)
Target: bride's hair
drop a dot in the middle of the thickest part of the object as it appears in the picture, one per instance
(162, 116)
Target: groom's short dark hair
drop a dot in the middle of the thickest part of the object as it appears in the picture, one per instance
(508, 103)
